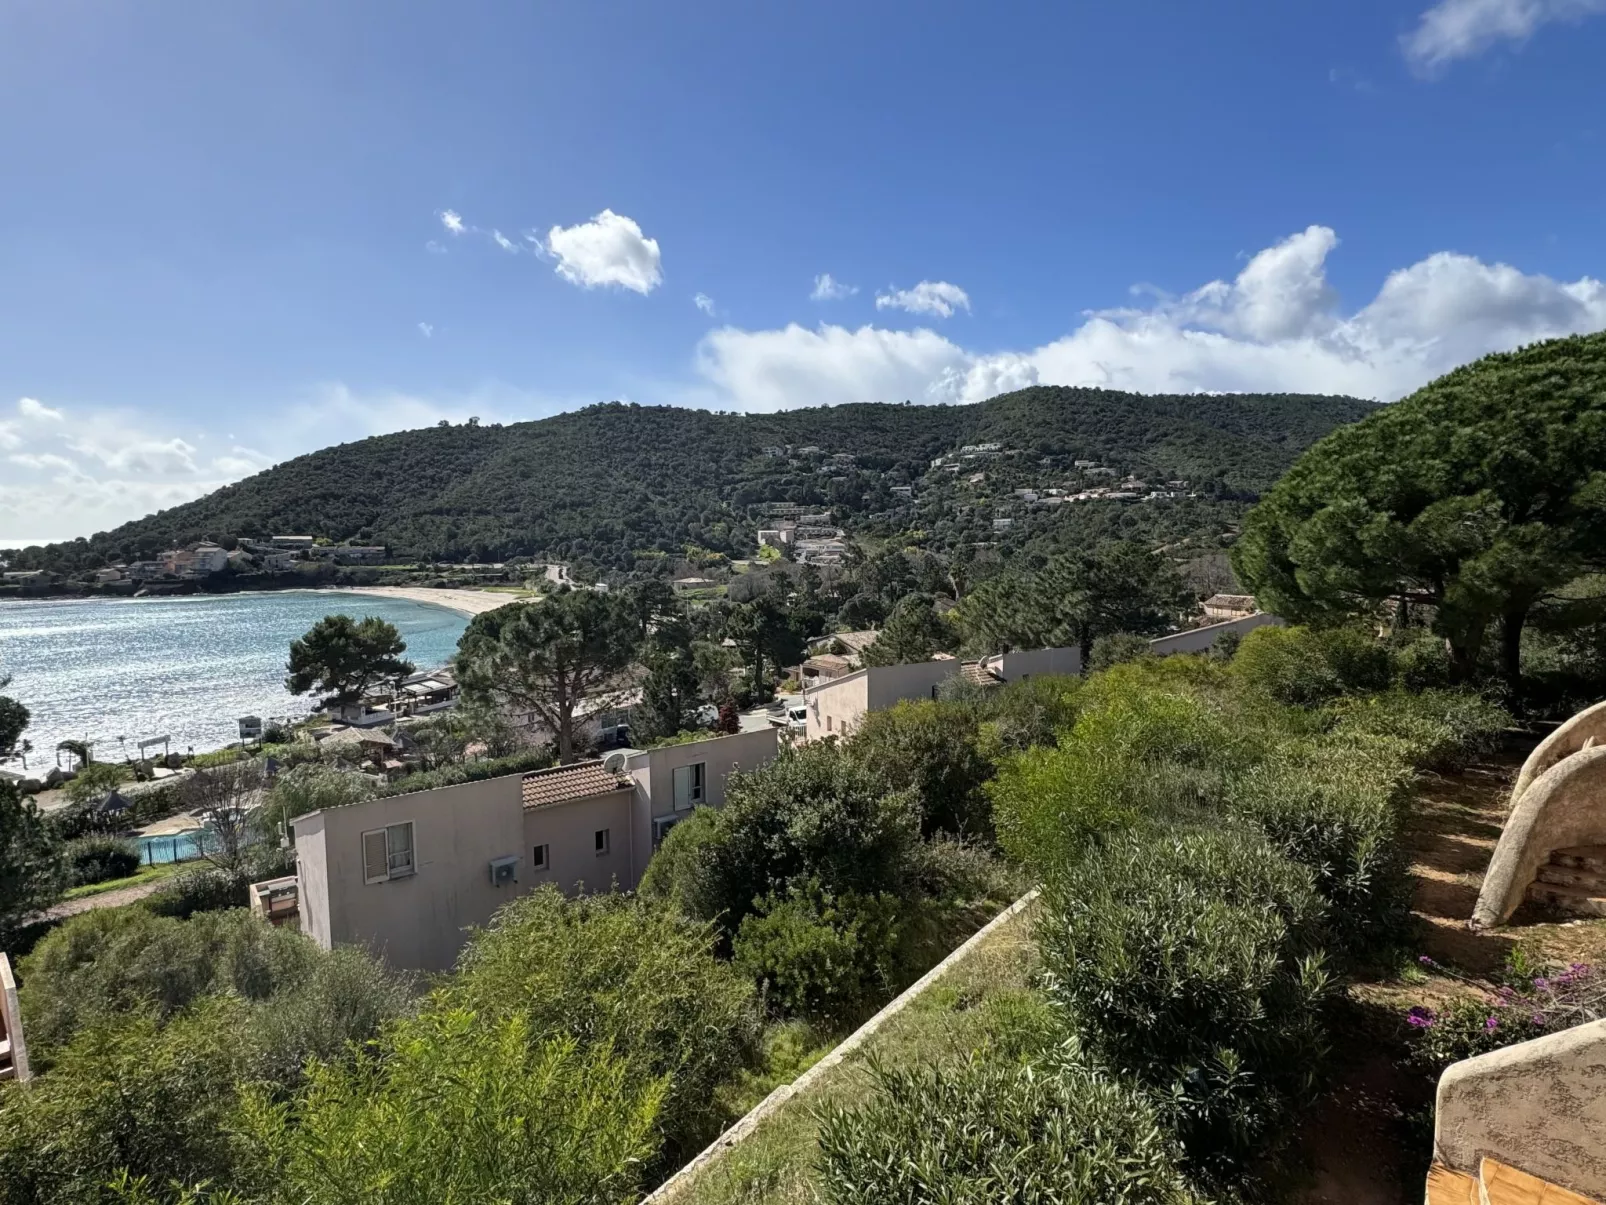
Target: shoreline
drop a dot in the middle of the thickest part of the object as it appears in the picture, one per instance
(464, 602)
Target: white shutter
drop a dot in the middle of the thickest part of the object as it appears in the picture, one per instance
(375, 857)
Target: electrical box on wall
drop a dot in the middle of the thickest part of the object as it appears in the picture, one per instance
(504, 871)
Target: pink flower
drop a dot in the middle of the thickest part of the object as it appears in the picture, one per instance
(1492, 1024)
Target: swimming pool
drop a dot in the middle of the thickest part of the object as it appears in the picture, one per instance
(180, 847)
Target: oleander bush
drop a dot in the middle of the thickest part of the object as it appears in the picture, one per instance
(1304, 667)
(830, 959)
(1191, 962)
(1438, 729)
(986, 1131)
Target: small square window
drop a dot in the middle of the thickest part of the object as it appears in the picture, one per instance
(542, 858)
(387, 853)
(602, 841)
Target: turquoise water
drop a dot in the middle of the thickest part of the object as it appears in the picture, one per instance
(185, 667)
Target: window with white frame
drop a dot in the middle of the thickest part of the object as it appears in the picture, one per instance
(387, 853)
(602, 841)
(542, 858)
(689, 786)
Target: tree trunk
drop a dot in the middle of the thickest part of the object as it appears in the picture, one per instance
(1084, 646)
(566, 736)
(1511, 649)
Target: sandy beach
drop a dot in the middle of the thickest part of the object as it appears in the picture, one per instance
(464, 602)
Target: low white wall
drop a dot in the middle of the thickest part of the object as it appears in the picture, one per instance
(1199, 640)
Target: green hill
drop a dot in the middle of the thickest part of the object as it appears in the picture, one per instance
(612, 481)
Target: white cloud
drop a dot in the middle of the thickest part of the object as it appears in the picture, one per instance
(608, 250)
(434, 248)
(32, 408)
(1460, 29)
(502, 241)
(452, 221)
(928, 297)
(828, 289)
(1277, 326)
(703, 302)
(426, 329)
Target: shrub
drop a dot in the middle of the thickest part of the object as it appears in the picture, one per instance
(1441, 729)
(310, 788)
(1303, 667)
(812, 813)
(1140, 747)
(990, 1131)
(97, 859)
(112, 961)
(1334, 807)
(614, 972)
(1117, 648)
(1190, 963)
(1027, 713)
(456, 1107)
(933, 750)
(203, 889)
(94, 782)
(831, 960)
(127, 1093)
(475, 771)
(31, 871)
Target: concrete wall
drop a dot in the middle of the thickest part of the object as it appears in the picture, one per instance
(1031, 662)
(1199, 640)
(1539, 1106)
(1564, 806)
(891, 684)
(417, 921)
(569, 831)
(652, 772)
(1586, 727)
(836, 706)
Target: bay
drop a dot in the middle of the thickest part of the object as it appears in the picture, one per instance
(186, 667)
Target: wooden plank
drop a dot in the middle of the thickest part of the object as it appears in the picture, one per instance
(1506, 1185)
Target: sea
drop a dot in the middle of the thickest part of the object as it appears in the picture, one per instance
(120, 671)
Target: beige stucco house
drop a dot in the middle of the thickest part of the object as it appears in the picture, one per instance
(406, 875)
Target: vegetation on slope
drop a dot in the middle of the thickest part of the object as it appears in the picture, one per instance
(612, 480)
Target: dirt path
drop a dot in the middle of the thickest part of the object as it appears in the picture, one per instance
(106, 899)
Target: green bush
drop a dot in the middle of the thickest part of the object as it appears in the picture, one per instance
(113, 961)
(1191, 963)
(1118, 648)
(309, 788)
(986, 1132)
(94, 782)
(1334, 807)
(1026, 713)
(1303, 667)
(813, 813)
(127, 1093)
(203, 889)
(610, 971)
(459, 1108)
(97, 859)
(473, 771)
(1440, 729)
(933, 749)
(828, 959)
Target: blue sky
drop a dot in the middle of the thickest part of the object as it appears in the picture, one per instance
(233, 233)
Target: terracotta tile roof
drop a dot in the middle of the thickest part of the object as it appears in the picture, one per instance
(542, 788)
(978, 674)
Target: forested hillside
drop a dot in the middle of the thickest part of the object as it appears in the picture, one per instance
(611, 482)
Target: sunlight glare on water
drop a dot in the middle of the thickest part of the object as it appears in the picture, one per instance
(185, 667)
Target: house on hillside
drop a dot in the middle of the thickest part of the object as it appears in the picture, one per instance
(1220, 607)
(405, 876)
(685, 585)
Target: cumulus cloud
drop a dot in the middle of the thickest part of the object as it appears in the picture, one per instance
(1460, 29)
(610, 249)
(703, 302)
(936, 297)
(452, 221)
(1276, 326)
(828, 289)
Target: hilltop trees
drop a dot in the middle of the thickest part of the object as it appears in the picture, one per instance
(1481, 497)
(545, 659)
(913, 632)
(341, 657)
